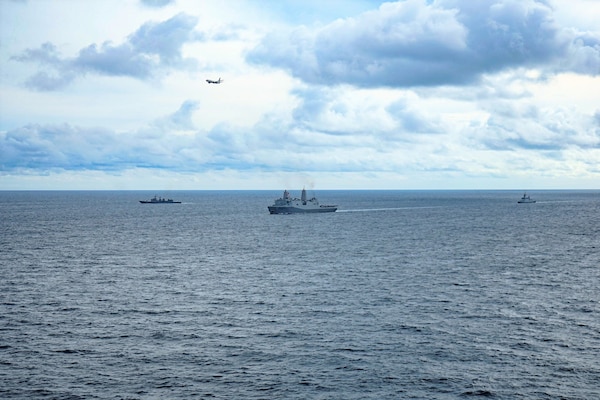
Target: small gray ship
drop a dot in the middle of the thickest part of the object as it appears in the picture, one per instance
(159, 200)
(525, 199)
(289, 205)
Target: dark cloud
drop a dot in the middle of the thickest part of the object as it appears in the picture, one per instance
(154, 47)
(417, 43)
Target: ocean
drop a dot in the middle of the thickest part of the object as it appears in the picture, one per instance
(397, 295)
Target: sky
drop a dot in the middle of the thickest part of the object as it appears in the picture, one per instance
(336, 94)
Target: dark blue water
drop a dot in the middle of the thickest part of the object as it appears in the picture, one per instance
(399, 294)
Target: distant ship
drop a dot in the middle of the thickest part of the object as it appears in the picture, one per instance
(289, 205)
(159, 200)
(525, 199)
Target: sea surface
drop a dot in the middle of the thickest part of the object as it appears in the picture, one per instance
(397, 295)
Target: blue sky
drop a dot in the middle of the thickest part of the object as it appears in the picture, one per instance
(353, 94)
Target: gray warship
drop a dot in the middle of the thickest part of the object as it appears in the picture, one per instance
(525, 199)
(289, 205)
(159, 200)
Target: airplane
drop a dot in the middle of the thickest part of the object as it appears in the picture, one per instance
(216, 82)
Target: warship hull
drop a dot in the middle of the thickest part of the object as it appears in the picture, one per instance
(300, 209)
(159, 202)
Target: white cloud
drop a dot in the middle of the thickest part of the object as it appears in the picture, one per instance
(153, 48)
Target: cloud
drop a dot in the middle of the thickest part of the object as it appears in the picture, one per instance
(68, 147)
(181, 119)
(547, 130)
(157, 3)
(398, 135)
(160, 145)
(347, 112)
(583, 56)
(413, 120)
(418, 43)
(155, 47)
